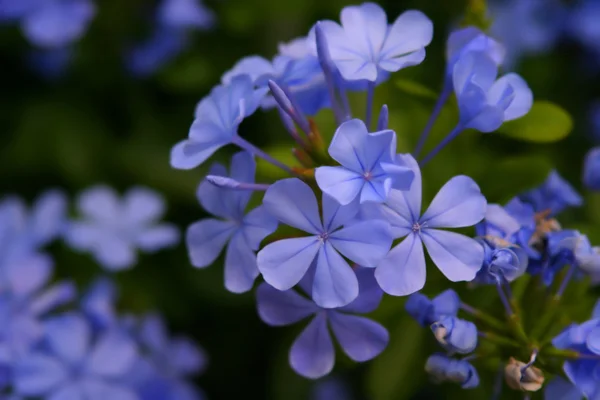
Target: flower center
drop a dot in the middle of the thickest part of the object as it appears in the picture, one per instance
(323, 236)
(416, 228)
(368, 175)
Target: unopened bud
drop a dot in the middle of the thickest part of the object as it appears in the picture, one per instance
(520, 376)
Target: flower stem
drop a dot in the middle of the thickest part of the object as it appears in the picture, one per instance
(369, 112)
(483, 317)
(565, 282)
(437, 109)
(451, 136)
(249, 147)
(499, 340)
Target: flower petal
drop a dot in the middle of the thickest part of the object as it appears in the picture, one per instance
(38, 374)
(369, 293)
(340, 183)
(336, 215)
(278, 308)
(114, 253)
(410, 33)
(366, 243)
(522, 98)
(459, 203)
(312, 354)
(28, 275)
(458, 257)
(361, 338)
(293, 202)
(474, 67)
(113, 355)
(258, 224)
(158, 237)
(365, 27)
(349, 144)
(240, 265)
(335, 283)
(153, 333)
(593, 341)
(284, 263)
(407, 204)
(142, 205)
(185, 357)
(205, 240)
(100, 390)
(402, 271)
(100, 203)
(190, 153)
(69, 337)
(48, 216)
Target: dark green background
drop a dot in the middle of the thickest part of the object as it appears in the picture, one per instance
(100, 125)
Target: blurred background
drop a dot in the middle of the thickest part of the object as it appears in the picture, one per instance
(106, 109)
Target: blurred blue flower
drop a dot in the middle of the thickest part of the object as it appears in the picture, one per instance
(206, 238)
(426, 311)
(50, 63)
(162, 46)
(584, 339)
(13, 10)
(501, 264)
(459, 203)
(112, 229)
(285, 262)
(331, 389)
(184, 14)
(98, 304)
(166, 363)
(484, 101)
(216, 122)
(365, 46)
(445, 369)
(369, 168)
(57, 23)
(583, 24)
(455, 335)
(591, 169)
(527, 27)
(470, 39)
(561, 389)
(312, 355)
(555, 194)
(73, 363)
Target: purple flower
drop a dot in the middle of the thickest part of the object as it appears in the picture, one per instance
(470, 39)
(74, 364)
(459, 203)
(57, 23)
(555, 194)
(184, 14)
(501, 263)
(484, 101)
(162, 46)
(112, 229)
(331, 389)
(444, 369)
(365, 46)
(455, 335)
(216, 121)
(582, 24)
(560, 389)
(285, 262)
(591, 169)
(369, 169)
(426, 312)
(98, 304)
(312, 355)
(206, 238)
(584, 339)
(11, 10)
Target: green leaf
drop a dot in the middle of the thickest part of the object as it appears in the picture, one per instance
(416, 89)
(546, 122)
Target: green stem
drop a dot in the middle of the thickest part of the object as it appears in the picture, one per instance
(546, 319)
(517, 328)
(499, 340)
(485, 318)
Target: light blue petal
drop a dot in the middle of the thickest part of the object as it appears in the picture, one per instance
(401, 175)
(112, 356)
(487, 120)
(279, 308)
(458, 257)
(336, 215)
(254, 66)
(28, 275)
(459, 203)
(369, 293)
(48, 216)
(96, 389)
(142, 205)
(69, 337)
(521, 102)
(365, 243)
(402, 271)
(446, 303)
(284, 263)
(348, 145)
(472, 39)
(38, 374)
(312, 355)
(561, 389)
(405, 42)
(190, 153)
(240, 265)
(205, 240)
(366, 28)
(293, 202)
(114, 253)
(218, 201)
(100, 203)
(340, 183)
(474, 67)
(257, 225)
(71, 391)
(593, 341)
(335, 283)
(407, 203)
(361, 339)
(158, 237)
(243, 168)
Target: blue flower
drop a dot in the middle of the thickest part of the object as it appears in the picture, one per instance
(501, 263)
(444, 369)
(206, 238)
(57, 23)
(112, 229)
(459, 203)
(426, 311)
(285, 262)
(163, 370)
(484, 101)
(216, 122)
(584, 339)
(582, 24)
(365, 46)
(74, 363)
(561, 389)
(162, 46)
(555, 194)
(184, 14)
(580, 252)
(312, 355)
(369, 169)
(331, 389)
(591, 169)
(50, 63)
(470, 39)
(455, 335)
(13, 10)
(98, 304)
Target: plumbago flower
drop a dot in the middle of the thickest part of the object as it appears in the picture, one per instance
(459, 203)
(445, 369)
(112, 228)
(426, 311)
(555, 194)
(591, 169)
(369, 168)
(285, 262)
(312, 355)
(206, 238)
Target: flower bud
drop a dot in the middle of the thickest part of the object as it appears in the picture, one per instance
(520, 376)
(455, 334)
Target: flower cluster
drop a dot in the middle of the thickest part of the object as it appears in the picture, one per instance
(54, 345)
